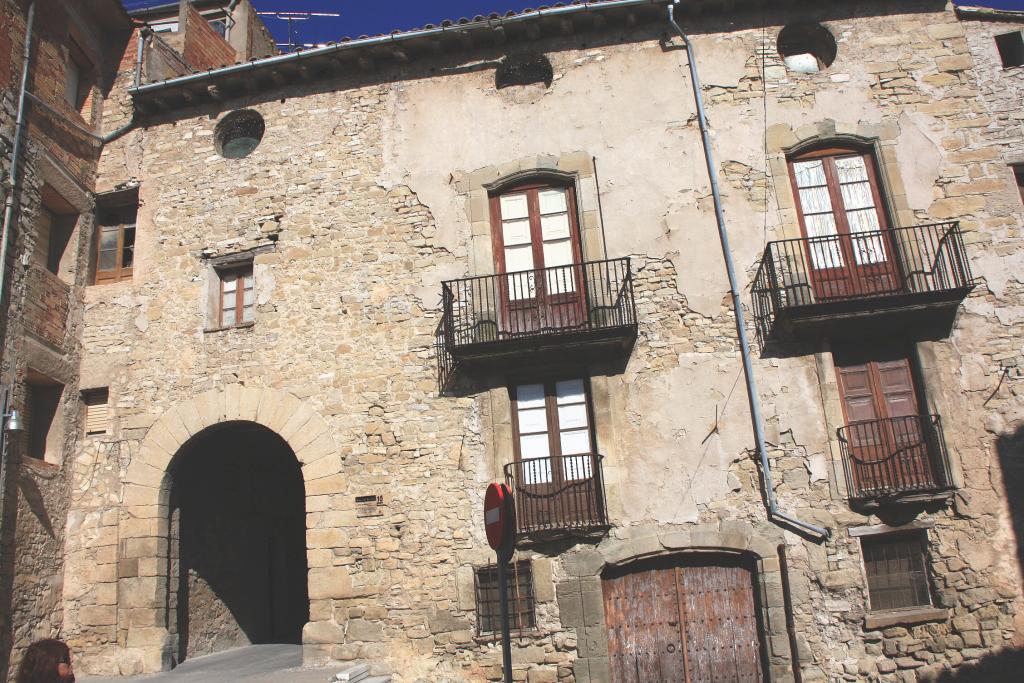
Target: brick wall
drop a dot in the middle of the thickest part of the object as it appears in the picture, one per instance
(46, 306)
(203, 48)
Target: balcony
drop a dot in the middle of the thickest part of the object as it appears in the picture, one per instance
(47, 303)
(863, 282)
(896, 459)
(557, 496)
(580, 311)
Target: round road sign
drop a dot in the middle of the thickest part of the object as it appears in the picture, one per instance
(499, 516)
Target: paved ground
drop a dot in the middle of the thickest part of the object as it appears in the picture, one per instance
(254, 664)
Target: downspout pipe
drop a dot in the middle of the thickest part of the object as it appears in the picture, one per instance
(753, 397)
(144, 33)
(19, 134)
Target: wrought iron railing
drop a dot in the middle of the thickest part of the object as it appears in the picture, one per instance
(894, 456)
(593, 295)
(865, 265)
(556, 495)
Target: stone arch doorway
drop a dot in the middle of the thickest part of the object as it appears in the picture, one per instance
(237, 570)
(692, 617)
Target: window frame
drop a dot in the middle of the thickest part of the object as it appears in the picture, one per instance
(550, 383)
(1018, 177)
(844, 357)
(84, 71)
(239, 272)
(522, 608)
(1007, 51)
(921, 540)
(532, 187)
(119, 273)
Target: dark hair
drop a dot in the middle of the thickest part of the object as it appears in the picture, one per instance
(40, 662)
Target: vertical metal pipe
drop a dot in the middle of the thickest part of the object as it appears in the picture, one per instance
(748, 370)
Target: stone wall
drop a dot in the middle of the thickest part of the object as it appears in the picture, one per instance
(360, 198)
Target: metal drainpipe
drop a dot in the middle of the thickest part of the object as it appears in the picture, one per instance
(229, 21)
(144, 33)
(748, 370)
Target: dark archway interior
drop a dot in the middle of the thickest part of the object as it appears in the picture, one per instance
(237, 549)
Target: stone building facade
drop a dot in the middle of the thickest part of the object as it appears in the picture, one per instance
(318, 324)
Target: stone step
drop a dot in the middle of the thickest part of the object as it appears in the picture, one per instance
(360, 673)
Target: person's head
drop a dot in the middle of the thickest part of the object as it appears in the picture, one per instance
(46, 661)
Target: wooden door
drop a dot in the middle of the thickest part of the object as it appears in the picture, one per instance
(554, 455)
(883, 417)
(537, 245)
(848, 248)
(690, 621)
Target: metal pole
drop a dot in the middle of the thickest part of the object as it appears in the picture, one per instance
(504, 555)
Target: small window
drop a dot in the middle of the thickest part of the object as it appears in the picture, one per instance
(42, 406)
(1018, 174)
(1011, 48)
(238, 134)
(115, 244)
(520, 598)
(807, 48)
(896, 569)
(169, 27)
(237, 297)
(220, 26)
(97, 412)
(77, 77)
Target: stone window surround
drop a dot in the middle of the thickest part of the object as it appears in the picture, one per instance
(783, 142)
(581, 602)
(878, 619)
(576, 168)
(212, 268)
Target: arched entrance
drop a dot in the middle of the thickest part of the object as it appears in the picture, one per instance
(690, 618)
(237, 570)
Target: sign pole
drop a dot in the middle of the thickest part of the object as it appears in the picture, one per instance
(504, 555)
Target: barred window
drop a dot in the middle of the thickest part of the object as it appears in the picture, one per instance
(896, 570)
(520, 598)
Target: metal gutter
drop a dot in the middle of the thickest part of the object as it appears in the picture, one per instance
(393, 38)
(753, 398)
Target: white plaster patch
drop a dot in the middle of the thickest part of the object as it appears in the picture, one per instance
(920, 157)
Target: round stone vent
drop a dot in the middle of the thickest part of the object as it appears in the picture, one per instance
(239, 133)
(807, 48)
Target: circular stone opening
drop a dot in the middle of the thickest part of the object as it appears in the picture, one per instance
(239, 133)
(807, 48)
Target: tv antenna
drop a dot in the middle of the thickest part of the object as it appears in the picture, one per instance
(292, 17)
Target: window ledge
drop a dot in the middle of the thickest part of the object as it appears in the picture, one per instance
(904, 617)
(239, 326)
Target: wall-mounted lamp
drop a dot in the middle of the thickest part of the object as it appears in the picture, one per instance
(12, 422)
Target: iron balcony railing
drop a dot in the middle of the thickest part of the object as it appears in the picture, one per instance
(895, 456)
(919, 260)
(557, 495)
(594, 295)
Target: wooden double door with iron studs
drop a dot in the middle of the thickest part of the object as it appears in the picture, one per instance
(687, 619)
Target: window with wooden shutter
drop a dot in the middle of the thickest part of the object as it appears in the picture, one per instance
(896, 568)
(115, 244)
(876, 384)
(97, 411)
(520, 598)
(237, 296)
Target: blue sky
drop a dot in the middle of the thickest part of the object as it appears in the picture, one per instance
(371, 17)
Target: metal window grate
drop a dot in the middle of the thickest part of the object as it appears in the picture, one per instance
(897, 575)
(520, 598)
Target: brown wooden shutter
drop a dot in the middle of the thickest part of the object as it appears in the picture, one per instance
(876, 389)
(896, 385)
(97, 412)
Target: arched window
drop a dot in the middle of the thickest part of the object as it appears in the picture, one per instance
(843, 219)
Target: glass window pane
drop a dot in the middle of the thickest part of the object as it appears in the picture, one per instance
(851, 169)
(569, 391)
(575, 442)
(536, 471)
(247, 281)
(533, 446)
(552, 201)
(518, 258)
(533, 420)
(815, 200)
(554, 227)
(809, 173)
(108, 238)
(128, 248)
(857, 196)
(248, 297)
(230, 282)
(530, 396)
(515, 232)
(514, 206)
(228, 317)
(572, 416)
(558, 253)
(561, 279)
(577, 467)
(248, 313)
(108, 260)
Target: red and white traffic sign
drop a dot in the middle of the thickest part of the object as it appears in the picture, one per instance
(499, 516)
